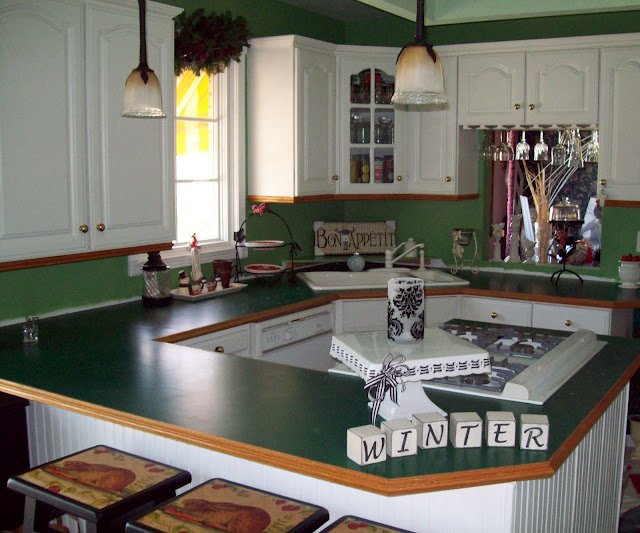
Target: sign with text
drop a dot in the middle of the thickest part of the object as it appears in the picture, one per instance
(345, 238)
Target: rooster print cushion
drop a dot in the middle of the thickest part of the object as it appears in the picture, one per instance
(219, 505)
(99, 476)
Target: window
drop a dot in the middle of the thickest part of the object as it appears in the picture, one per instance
(209, 165)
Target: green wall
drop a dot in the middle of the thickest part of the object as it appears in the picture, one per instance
(44, 290)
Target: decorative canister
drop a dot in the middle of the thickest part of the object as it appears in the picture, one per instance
(156, 290)
(405, 309)
(629, 272)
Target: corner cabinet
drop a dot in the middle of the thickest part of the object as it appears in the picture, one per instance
(75, 176)
(619, 165)
(541, 88)
(291, 118)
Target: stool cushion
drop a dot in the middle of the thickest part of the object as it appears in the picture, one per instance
(96, 479)
(351, 524)
(220, 505)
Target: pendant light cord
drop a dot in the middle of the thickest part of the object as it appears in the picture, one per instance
(419, 37)
(143, 67)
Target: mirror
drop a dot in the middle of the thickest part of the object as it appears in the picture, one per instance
(544, 206)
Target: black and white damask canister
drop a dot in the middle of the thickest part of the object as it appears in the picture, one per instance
(405, 310)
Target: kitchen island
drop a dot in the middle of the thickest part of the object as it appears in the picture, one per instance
(99, 376)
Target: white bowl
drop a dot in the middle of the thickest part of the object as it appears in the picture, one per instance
(629, 272)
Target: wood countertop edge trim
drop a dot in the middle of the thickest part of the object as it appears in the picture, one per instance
(308, 467)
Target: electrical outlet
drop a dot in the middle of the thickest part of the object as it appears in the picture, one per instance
(638, 242)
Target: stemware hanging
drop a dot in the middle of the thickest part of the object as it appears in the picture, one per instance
(558, 152)
(592, 148)
(522, 149)
(502, 151)
(541, 150)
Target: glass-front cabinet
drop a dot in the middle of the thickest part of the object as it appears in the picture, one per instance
(370, 128)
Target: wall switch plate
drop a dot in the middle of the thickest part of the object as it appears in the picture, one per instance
(638, 242)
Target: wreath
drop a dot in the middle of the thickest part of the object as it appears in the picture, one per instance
(208, 42)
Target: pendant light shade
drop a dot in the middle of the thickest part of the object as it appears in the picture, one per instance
(419, 78)
(142, 94)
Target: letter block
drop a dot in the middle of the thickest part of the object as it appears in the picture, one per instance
(432, 430)
(402, 437)
(465, 430)
(500, 429)
(534, 432)
(366, 445)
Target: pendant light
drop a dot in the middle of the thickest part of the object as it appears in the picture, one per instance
(142, 95)
(419, 78)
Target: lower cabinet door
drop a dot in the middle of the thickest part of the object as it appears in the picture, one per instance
(514, 313)
(439, 309)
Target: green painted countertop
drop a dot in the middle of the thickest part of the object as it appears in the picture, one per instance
(104, 362)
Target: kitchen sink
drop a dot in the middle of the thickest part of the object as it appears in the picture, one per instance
(331, 281)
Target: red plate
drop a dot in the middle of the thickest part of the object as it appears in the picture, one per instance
(263, 269)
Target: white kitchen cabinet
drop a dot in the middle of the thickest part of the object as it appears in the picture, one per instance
(538, 88)
(74, 175)
(291, 115)
(440, 309)
(619, 165)
(616, 322)
(443, 159)
(236, 341)
(495, 310)
(372, 132)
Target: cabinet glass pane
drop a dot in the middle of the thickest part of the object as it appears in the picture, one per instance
(360, 126)
(360, 166)
(383, 165)
(384, 126)
(384, 87)
(360, 87)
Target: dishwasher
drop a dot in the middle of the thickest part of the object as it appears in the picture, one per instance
(300, 339)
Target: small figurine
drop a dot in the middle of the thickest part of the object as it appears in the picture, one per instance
(218, 284)
(204, 286)
(196, 273)
(497, 233)
(185, 284)
(514, 240)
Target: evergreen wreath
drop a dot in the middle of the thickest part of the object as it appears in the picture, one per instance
(208, 42)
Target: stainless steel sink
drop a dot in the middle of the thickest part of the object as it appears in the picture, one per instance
(376, 279)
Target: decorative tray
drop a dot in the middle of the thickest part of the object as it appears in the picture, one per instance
(263, 244)
(261, 269)
(233, 287)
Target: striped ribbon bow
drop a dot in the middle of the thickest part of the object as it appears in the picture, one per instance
(387, 380)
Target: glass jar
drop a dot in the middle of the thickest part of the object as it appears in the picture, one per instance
(156, 290)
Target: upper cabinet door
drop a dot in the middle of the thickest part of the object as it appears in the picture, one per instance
(619, 164)
(316, 122)
(491, 89)
(42, 165)
(562, 87)
(131, 161)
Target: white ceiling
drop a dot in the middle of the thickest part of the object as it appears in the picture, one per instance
(460, 11)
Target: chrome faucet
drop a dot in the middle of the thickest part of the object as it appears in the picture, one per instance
(389, 260)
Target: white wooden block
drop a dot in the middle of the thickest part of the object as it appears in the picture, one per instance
(500, 429)
(534, 432)
(402, 437)
(366, 445)
(465, 430)
(432, 430)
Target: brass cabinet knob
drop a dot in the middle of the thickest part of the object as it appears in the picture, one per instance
(335, 177)
(100, 227)
(447, 179)
(219, 349)
(84, 228)
(567, 323)
(399, 178)
(516, 106)
(603, 182)
(532, 106)
(494, 315)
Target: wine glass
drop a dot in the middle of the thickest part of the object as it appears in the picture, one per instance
(502, 151)
(558, 152)
(592, 148)
(541, 150)
(522, 149)
(575, 150)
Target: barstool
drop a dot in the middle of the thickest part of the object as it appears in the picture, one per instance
(351, 524)
(220, 505)
(102, 485)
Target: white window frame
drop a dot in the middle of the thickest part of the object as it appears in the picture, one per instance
(231, 95)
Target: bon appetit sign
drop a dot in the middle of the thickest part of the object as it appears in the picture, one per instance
(345, 238)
